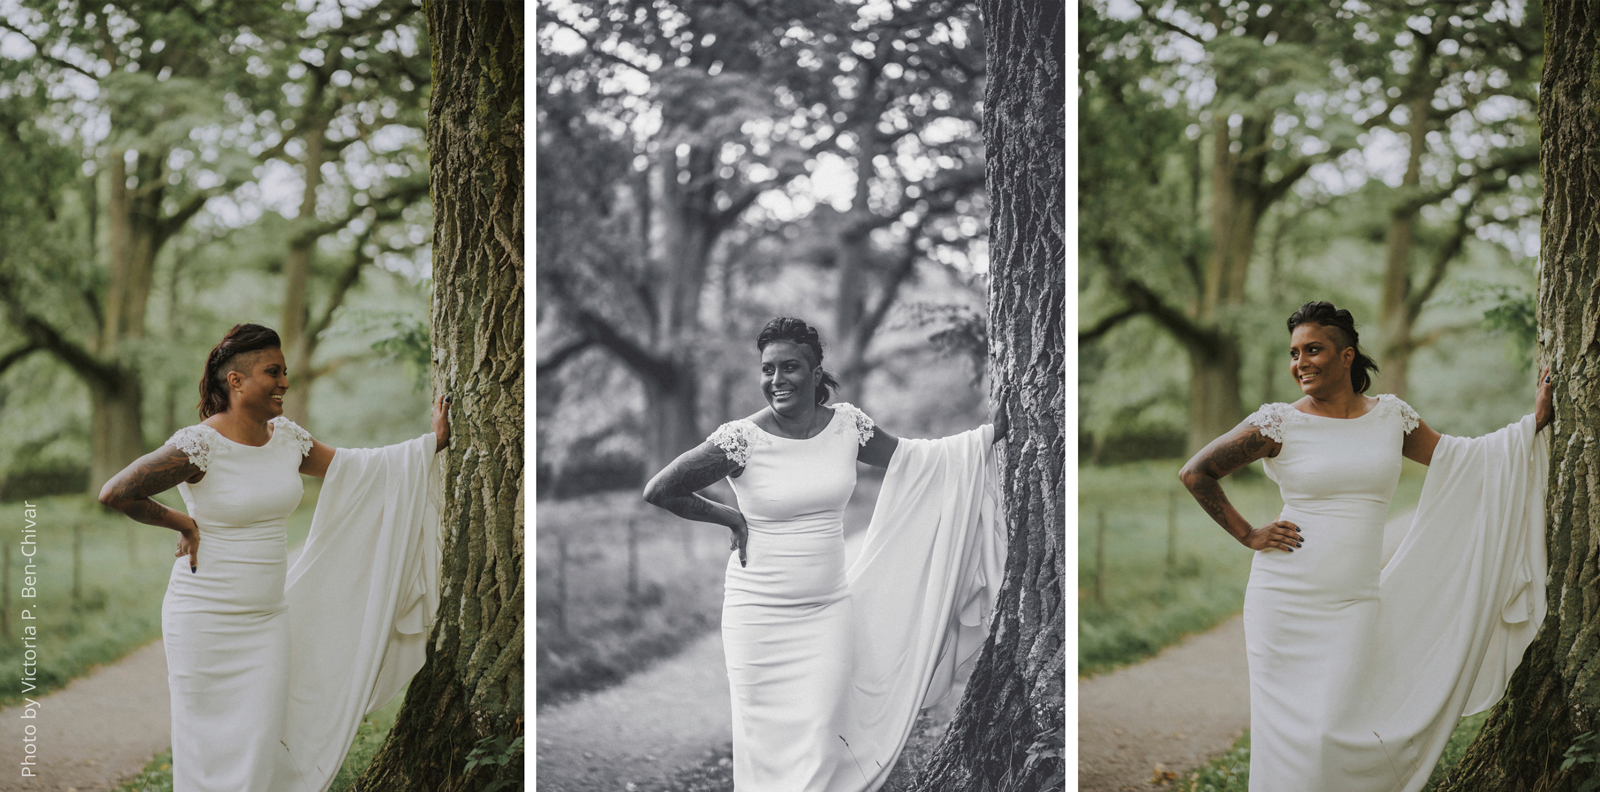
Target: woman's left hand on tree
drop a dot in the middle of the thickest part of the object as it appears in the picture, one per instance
(1544, 409)
(997, 417)
(441, 421)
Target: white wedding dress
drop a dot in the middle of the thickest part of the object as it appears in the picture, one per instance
(1364, 652)
(271, 668)
(827, 666)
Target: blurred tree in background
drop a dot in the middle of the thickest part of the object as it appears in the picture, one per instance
(704, 167)
(172, 169)
(1237, 159)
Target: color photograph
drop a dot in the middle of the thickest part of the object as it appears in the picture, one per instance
(1354, 242)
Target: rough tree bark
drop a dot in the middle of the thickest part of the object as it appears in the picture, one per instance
(467, 699)
(1009, 729)
(1552, 699)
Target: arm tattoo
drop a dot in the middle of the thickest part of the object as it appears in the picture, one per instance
(160, 470)
(675, 487)
(1234, 454)
(1225, 456)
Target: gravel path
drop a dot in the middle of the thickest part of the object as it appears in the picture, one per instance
(647, 727)
(94, 732)
(1177, 709)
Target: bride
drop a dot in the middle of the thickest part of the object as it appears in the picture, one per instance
(272, 667)
(1365, 649)
(829, 666)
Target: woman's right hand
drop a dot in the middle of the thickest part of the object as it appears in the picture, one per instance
(1278, 535)
(189, 544)
(741, 537)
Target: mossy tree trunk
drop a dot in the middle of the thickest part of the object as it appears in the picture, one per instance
(467, 699)
(1009, 728)
(1552, 698)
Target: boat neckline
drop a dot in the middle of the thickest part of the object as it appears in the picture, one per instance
(1370, 410)
(820, 432)
(247, 445)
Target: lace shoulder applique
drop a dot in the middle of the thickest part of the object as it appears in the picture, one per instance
(735, 438)
(859, 422)
(195, 441)
(1272, 418)
(1408, 416)
(296, 434)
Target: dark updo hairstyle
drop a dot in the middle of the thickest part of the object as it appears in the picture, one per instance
(242, 339)
(797, 332)
(1323, 313)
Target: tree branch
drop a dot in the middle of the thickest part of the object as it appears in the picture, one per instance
(40, 53)
(1167, 26)
(1144, 300)
(635, 356)
(1105, 325)
(560, 357)
(17, 355)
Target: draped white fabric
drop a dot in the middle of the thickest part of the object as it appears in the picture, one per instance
(1361, 665)
(271, 667)
(362, 596)
(923, 591)
(1460, 602)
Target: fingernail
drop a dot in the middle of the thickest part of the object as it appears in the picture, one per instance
(194, 569)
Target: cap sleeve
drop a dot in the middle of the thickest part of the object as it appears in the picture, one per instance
(295, 434)
(1271, 418)
(1408, 417)
(859, 423)
(735, 439)
(194, 441)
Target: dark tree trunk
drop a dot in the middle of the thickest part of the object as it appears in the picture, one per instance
(468, 695)
(1213, 388)
(1014, 705)
(1551, 698)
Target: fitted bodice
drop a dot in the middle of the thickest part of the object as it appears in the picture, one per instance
(248, 492)
(1338, 466)
(792, 492)
(1336, 477)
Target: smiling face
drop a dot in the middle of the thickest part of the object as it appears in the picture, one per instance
(1319, 366)
(788, 377)
(257, 381)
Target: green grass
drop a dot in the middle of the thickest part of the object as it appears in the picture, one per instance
(157, 774)
(1230, 772)
(1144, 601)
(120, 584)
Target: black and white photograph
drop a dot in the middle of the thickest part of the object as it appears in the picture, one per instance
(801, 415)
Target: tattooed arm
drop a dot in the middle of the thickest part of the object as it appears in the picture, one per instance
(675, 489)
(1224, 455)
(160, 470)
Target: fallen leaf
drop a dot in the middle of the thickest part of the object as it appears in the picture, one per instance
(1161, 775)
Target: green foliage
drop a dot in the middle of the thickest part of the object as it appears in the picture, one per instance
(1585, 750)
(495, 751)
(1229, 772)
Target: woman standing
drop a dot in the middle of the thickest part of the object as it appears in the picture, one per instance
(828, 666)
(1366, 650)
(268, 673)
